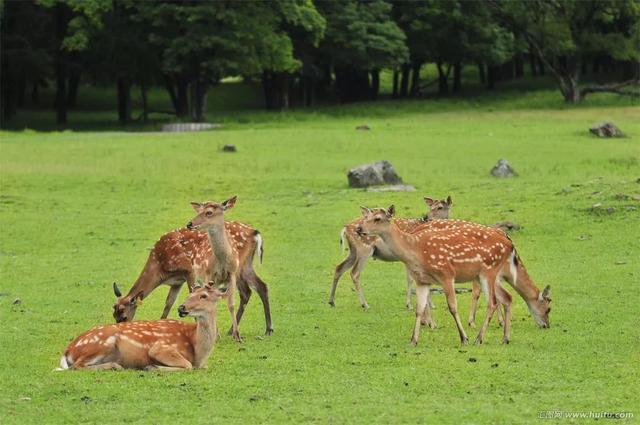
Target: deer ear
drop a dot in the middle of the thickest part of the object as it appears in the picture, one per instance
(229, 203)
(365, 211)
(546, 293)
(116, 290)
(391, 211)
(196, 206)
(449, 201)
(429, 201)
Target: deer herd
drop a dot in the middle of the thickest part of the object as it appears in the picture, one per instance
(215, 258)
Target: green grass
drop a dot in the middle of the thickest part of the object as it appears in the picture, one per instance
(78, 210)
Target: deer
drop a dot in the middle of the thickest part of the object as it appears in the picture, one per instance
(183, 255)
(459, 254)
(227, 258)
(361, 248)
(163, 345)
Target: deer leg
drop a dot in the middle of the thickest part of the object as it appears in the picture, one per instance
(488, 287)
(340, 269)
(505, 299)
(245, 293)
(167, 359)
(475, 294)
(427, 319)
(230, 305)
(409, 287)
(450, 292)
(355, 276)
(105, 366)
(263, 292)
(174, 290)
(422, 299)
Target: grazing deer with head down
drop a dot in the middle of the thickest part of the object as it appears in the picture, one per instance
(168, 345)
(184, 255)
(447, 256)
(226, 258)
(362, 247)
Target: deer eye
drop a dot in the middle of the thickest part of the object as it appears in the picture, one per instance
(203, 296)
(209, 213)
(377, 219)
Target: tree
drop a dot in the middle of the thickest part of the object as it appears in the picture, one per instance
(361, 38)
(565, 33)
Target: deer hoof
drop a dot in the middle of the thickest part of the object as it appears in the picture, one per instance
(505, 340)
(478, 341)
(465, 341)
(268, 331)
(332, 304)
(472, 324)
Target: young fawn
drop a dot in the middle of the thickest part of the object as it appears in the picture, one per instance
(184, 255)
(362, 247)
(449, 255)
(226, 257)
(168, 345)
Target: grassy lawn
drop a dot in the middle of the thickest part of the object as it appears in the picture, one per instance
(79, 210)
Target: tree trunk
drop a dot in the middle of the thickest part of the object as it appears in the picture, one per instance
(35, 97)
(540, 67)
(481, 73)
(375, 84)
(62, 21)
(22, 90)
(533, 61)
(124, 100)
(443, 80)
(145, 103)
(396, 76)
(519, 67)
(457, 77)
(415, 78)
(198, 99)
(74, 83)
(404, 81)
(183, 97)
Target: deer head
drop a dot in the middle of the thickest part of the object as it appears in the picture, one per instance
(125, 307)
(540, 308)
(210, 213)
(438, 208)
(375, 221)
(201, 302)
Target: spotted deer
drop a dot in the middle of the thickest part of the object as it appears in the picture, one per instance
(449, 255)
(226, 257)
(168, 345)
(184, 255)
(362, 247)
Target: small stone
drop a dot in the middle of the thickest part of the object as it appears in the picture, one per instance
(374, 174)
(86, 399)
(25, 398)
(495, 365)
(503, 169)
(363, 127)
(17, 301)
(620, 263)
(229, 148)
(254, 398)
(507, 226)
(584, 237)
(606, 129)
(472, 360)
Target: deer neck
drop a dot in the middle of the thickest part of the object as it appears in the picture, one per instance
(205, 337)
(220, 245)
(400, 243)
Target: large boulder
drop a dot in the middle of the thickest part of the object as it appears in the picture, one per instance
(377, 173)
(503, 169)
(606, 129)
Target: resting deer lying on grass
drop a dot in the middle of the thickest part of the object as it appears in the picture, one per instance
(362, 247)
(168, 345)
(184, 255)
(448, 255)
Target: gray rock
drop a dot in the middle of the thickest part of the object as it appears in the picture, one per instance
(229, 148)
(606, 129)
(503, 169)
(394, 188)
(507, 226)
(375, 174)
(363, 127)
(189, 126)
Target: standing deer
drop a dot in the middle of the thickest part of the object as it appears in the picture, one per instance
(362, 247)
(226, 257)
(446, 256)
(167, 345)
(184, 255)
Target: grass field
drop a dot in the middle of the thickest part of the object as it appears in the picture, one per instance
(79, 210)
